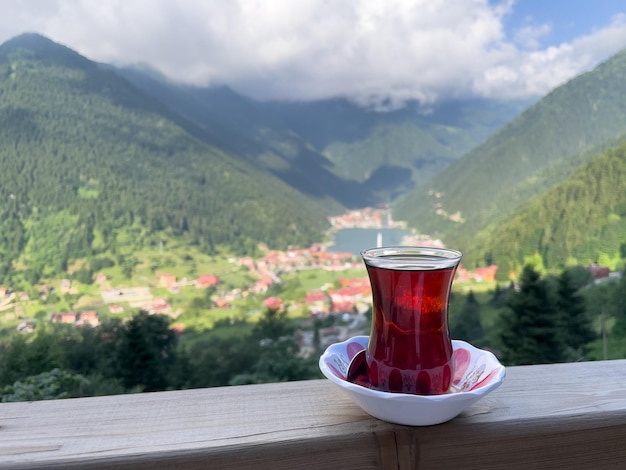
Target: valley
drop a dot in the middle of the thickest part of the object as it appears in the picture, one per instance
(141, 217)
(197, 290)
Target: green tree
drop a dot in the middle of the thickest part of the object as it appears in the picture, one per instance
(84, 350)
(50, 385)
(270, 353)
(468, 326)
(530, 328)
(504, 269)
(500, 295)
(272, 325)
(83, 275)
(215, 360)
(575, 324)
(279, 362)
(205, 302)
(23, 357)
(617, 307)
(146, 352)
(579, 276)
(14, 361)
(128, 266)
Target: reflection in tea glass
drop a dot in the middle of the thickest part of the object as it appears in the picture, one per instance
(410, 350)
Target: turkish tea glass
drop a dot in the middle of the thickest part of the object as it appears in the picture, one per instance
(410, 350)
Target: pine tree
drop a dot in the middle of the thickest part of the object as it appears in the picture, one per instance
(468, 326)
(576, 329)
(530, 333)
(146, 352)
(500, 296)
(617, 307)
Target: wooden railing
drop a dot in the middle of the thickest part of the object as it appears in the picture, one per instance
(552, 416)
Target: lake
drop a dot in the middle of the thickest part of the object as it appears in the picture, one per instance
(354, 240)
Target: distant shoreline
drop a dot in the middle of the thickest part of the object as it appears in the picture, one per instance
(354, 240)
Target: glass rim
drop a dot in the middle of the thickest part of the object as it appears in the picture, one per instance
(411, 257)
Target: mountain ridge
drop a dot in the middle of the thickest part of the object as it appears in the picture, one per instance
(574, 118)
(83, 148)
(235, 171)
(580, 221)
(339, 144)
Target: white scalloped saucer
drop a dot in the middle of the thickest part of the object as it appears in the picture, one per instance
(477, 372)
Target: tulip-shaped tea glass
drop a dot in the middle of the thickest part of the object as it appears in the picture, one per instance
(409, 348)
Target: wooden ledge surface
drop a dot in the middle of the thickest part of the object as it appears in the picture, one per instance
(548, 416)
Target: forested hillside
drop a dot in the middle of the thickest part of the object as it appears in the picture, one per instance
(334, 148)
(580, 221)
(421, 138)
(239, 124)
(85, 154)
(538, 149)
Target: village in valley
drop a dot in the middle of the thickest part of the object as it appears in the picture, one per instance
(348, 298)
(340, 306)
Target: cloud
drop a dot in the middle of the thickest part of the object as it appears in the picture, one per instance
(375, 52)
(534, 72)
(529, 36)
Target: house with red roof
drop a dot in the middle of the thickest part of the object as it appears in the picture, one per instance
(207, 280)
(315, 297)
(222, 302)
(463, 275)
(63, 317)
(261, 286)
(599, 272)
(360, 282)
(317, 302)
(487, 274)
(159, 306)
(178, 328)
(273, 303)
(167, 280)
(116, 309)
(89, 317)
(345, 299)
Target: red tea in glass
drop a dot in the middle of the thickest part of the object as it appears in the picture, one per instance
(410, 350)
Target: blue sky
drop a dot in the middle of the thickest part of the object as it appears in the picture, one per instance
(374, 52)
(566, 19)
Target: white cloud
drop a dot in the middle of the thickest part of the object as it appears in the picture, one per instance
(529, 36)
(535, 72)
(373, 51)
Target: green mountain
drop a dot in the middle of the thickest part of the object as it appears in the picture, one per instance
(390, 152)
(97, 160)
(334, 148)
(91, 164)
(540, 148)
(581, 220)
(242, 126)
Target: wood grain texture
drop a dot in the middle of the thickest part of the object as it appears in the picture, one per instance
(554, 416)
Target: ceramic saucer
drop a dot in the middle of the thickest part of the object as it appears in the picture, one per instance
(477, 372)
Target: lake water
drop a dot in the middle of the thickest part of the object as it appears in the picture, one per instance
(354, 240)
